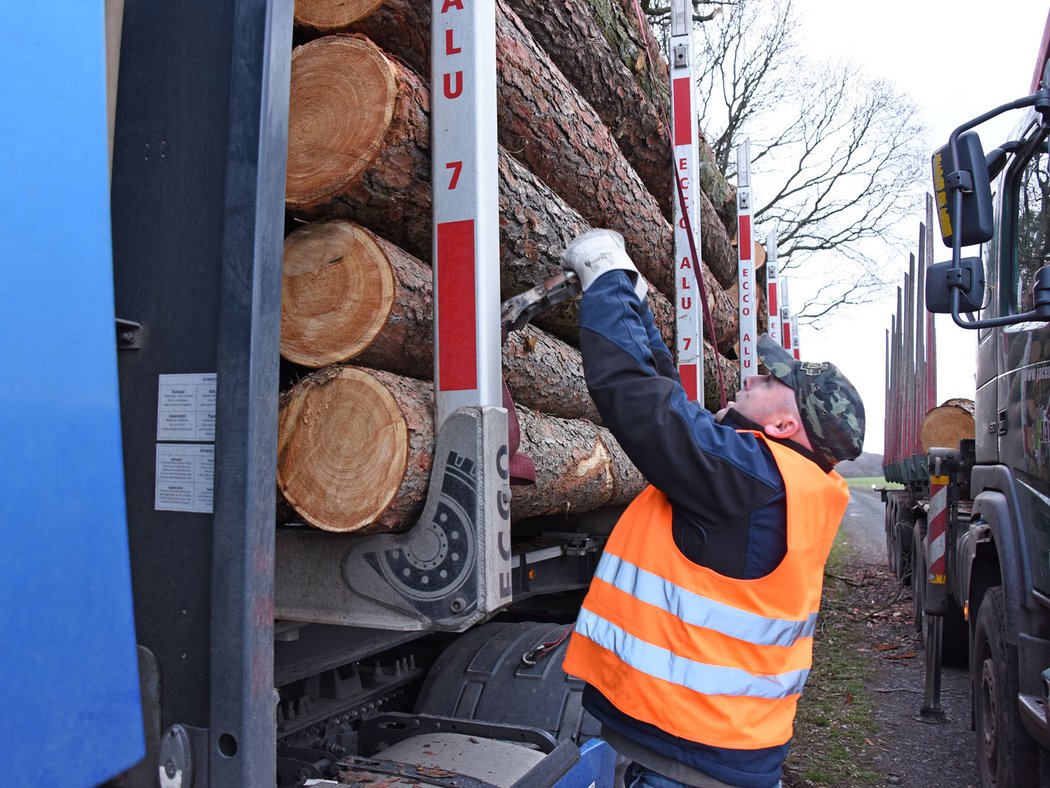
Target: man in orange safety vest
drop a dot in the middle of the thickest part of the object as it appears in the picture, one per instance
(696, 635)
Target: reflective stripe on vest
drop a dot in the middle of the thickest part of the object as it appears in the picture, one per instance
(699, 611)
(708, 658)
(663, 664)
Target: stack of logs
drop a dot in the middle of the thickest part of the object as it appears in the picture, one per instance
(582, 144)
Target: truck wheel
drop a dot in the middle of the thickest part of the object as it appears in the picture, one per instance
(1006, 755)
(905, 550)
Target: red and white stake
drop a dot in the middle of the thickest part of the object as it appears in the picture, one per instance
(684, 137)
(772, 286)
(786, 332)
(466, 207)
(467, 332)
(746, 290)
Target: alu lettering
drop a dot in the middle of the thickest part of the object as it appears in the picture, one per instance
(450, 91)
(450, 47)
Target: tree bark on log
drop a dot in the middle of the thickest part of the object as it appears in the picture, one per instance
(570, 36)
(355, 448)
(579, 467)
(574, 42)
(547, 125)
(716, 246)
(713, 388)
(723, 329)
(348, 294)
(535, 227)
(633, 45)
(391, 195)
(576, 45)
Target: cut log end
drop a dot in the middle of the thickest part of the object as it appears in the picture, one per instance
(327, 15)
(947, 424)
(341, 103)
(330, 435)
(337, 293)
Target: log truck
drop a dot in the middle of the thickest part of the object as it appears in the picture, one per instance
(157, 628)
(967, 518)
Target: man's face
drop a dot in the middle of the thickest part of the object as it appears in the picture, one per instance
(762, 397)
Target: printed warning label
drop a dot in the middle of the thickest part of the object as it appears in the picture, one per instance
(185, 477)
(186, 407)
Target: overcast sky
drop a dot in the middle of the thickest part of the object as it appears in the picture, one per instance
(956, 59)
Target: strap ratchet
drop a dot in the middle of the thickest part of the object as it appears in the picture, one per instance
(530, 657)
(517, 311)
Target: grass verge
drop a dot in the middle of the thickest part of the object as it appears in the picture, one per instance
(869, 481)
(834, 728)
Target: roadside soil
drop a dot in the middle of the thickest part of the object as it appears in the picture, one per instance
(860, 721)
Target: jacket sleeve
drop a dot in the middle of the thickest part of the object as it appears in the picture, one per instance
(708, 471)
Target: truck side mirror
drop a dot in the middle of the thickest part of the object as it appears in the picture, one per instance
(1041, 293)
(968, 176)
(967, 278)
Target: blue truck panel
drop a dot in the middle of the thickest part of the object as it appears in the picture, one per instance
(68, 657)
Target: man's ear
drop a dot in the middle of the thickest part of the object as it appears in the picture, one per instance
(784, 426)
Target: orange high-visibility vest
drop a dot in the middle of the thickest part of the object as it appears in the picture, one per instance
(709, 658)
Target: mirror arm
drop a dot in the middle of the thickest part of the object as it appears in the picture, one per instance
(955, 283)
(961, 181)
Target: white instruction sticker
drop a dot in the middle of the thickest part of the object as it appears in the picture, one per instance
(186, 407)
(185, 477)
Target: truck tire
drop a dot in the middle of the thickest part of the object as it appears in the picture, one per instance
(1007, 757)
(905, 547)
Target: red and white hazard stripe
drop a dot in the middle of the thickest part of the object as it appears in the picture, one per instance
(936, 526)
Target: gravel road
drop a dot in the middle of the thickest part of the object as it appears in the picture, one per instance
(910, 751)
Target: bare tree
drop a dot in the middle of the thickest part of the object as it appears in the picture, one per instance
(836, 157)
(658, 11)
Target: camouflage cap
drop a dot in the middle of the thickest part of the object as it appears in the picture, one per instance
(831, 408)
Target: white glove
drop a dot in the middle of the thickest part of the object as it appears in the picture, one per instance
(596, 251)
